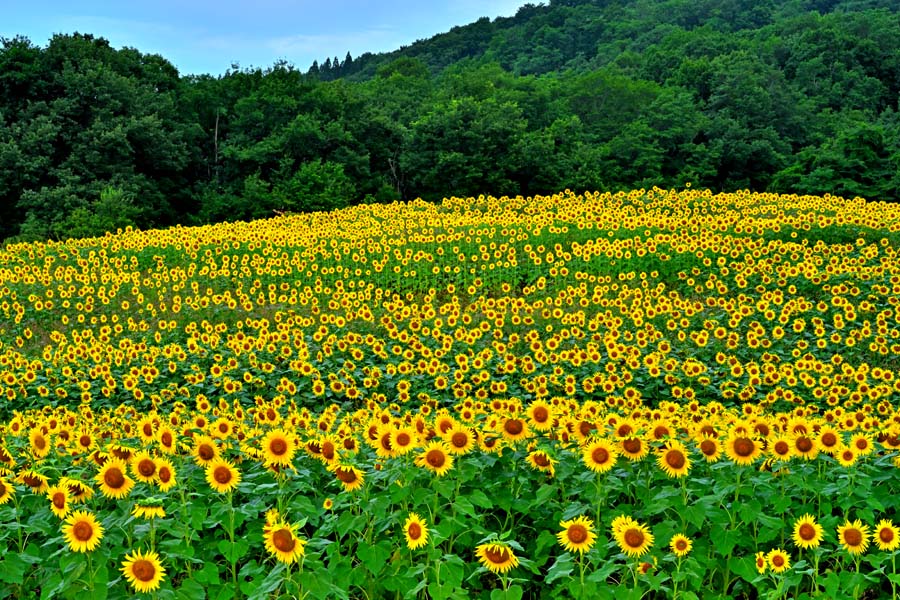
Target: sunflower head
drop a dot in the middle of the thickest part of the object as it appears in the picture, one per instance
(282, 542)
(673, 459)
(632, 537)
(853, 536)
(222, 476)
(143, 571)
(82, 531)
(496, 557)
(807, 533)
(778, 560)
(577, 534)
(680, 545)
(415, 531)
(886, 536)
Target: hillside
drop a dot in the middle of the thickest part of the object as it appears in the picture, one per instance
(775, 96)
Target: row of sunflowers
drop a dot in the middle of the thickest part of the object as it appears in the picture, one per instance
(503, 499)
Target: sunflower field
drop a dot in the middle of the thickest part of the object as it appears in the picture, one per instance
(651, 394)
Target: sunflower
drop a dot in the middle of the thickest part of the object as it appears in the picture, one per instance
(886, 536)
(541, 461)
(853, 536)
(143, 467)
(680, 544)
(328, 504)
(148, 509)
(278, 448)
(861, 444)
(807, 533)
(761, 563)
(742, 450)
(82, 531)
(540, 415)
(144, 571)
(846, 457)
(415, 531)
(436, 457)
(165, 474)
(460, 440)
(634, 448)
(6, 491)
(633, 538)
(514, 429)
(113, 479)
(60, 500)
(577, 534)
(780, 447)
(779, 560)
(205, 450)
(805, 447)
(382, 442)
(79, 491)
(167, 439)
(282, 542)
(673, 459)
(496, 557)
(222, 476)
(829, 439)
(40, 445)
(599, 455)
(710, 448)
(350, 477)
(404, 440)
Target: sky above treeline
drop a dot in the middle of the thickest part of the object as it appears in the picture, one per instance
(207, 36)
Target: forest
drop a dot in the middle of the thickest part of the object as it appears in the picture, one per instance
(797, 96)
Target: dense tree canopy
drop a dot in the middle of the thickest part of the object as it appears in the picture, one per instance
(787, 96)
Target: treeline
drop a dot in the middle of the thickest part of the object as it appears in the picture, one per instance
(798, 96)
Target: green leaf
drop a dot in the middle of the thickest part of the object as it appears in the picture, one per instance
(12, 569)
(190, 589)
(374, 556)
(561, 568)
(233, 552)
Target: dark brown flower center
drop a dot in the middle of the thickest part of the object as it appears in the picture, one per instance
(829, 439)
(84, 441)
(744, 447)
(222, 475)
(514, 426)
(146, 467)
(114, 478)
(782, 448)
(206, 452)
(166, 439)
(345, 475)
(414, 531)
(577, 533)
(632, 445)
(540, 459)
(853, 537)
(164, 474)
(807, 532)
(284, 540)
(886, 535)
(675, 459)
(778, 561)
(143, 570)
(804, 444)
(59, 500)
(708, 447)
(436, 458)
(278, 446)
(634, 538)
(600, 456)
(540, 414)
(83, 531)
(459, 439)
(497, 556)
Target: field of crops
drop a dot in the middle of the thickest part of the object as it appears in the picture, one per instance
(650, 394)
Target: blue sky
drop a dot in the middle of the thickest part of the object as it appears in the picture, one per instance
(206, 36)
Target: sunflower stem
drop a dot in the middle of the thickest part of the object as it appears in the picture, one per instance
(894, 572)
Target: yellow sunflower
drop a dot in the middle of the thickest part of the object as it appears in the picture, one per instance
(710, 448)
(415, 531)
(143, 571)
(60, 500)
(599, 455)
(6, 491)
(514, 429)
(742, 450)
(673, 459)
(350, 477)
(540, 415)
(541, 461)
(807, 533)
(460, 439)
(886, 536)
(205, 450)
(165, 474)
(39, 443)
(82, 531)
(496, 557)
(761, 563)
(278, 447)
(404, 440)
(113, 479)
(143, 467)
(634, 448)
(577, 534)
(222, 476)
(681, 545)
(853, 536)
(435, 457)
(148, 509)
(633, 538)
(779, 560)
(846, 456)
(282, 542)
(780, 447)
